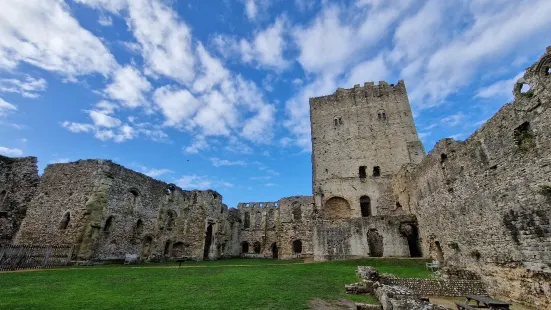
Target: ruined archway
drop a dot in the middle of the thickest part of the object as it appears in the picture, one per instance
(411, 232)
(178, 250)
(337, 208)
(275, 251)
(208, 241)
(375, 243)
(365, 206)
(147, 245)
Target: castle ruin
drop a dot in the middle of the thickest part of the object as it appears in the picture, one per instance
(483, 204)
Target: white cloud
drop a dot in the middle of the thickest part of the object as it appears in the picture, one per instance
(199, 144)
(60, 160)
(165, 40)
(101, 119)
(259, 127)
(212, 71)
(177, 105)
(499, 89)
(250, 9)
(371, 70)
(217, 162)
(129, 87)
(51, 39)
(27, 87)
(267, 47)
(6, 107)
(10, 152)
(105, 20)
(454, 119)
(194, 182)
(77, 127)
(155, 173)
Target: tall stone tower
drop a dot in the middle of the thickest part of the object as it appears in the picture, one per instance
(360, 137)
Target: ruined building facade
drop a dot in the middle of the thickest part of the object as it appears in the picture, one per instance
(483, 204)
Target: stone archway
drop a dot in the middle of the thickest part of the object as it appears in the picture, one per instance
(275, 251)
(337, 208)
(375, 243)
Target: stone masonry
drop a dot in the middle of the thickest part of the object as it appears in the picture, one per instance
(18, 182)
(485, 203)
(482, 205)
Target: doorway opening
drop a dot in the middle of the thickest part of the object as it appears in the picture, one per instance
(274, 251)
(208, 242)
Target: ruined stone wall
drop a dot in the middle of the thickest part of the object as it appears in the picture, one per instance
(485, 204)
(370, 127)
(377, 236)
(271, 228)
(106, 211)
(18, 182)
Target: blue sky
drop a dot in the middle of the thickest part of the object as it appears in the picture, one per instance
(214, 94)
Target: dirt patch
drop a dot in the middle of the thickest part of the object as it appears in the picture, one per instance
(450, 302)
(318, 304)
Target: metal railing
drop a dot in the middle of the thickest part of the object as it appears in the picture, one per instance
(14, 257)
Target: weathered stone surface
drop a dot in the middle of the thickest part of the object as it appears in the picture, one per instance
(18, 182)
(484, 204)
(106, 211)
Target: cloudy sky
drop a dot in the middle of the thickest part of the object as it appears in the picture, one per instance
(214, 94)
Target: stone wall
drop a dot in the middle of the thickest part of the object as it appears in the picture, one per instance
(105, 211)
(362, 237)
(270, 229)
(18, 182)
(360, 138)
(436, 287)
(485, 204)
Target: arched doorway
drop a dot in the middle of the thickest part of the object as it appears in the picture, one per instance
(274, 251)
(337, 208)
(146, 247)
(208, 242)
(375, 243)
(167, 248)
(297, 246)
(245, 247)
(410, 231)
(365, 206)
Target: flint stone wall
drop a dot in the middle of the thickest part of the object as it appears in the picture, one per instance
(113, 211)
(484, 204)
(18, 183)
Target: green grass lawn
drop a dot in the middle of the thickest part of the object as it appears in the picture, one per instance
(224, 284)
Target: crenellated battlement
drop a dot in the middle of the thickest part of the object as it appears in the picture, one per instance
(253, 205)
(369, 89)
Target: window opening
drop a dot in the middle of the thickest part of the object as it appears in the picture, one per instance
(139, 228)
(362, 172)
(365, 206)
(208, 242)
(245, 247)
(247, 223)
(257, 247)
(108, 225)
(297, 212)
(65, 221)
(376, 171)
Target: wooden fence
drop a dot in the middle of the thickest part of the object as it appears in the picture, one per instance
(13, 257)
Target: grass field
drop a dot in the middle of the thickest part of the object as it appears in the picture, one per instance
(224, 284)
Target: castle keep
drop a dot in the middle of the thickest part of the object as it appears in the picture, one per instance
(483, 204)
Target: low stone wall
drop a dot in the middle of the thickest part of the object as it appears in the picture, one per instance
(435, 287)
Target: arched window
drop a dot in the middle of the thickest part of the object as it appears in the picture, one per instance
(297, 246)
(133, 197)
(65, 221)
(170, 219)
(138, 230)
(257, 247)
(3, 205)
(365, 205)
(297, 212)
(245, 247)
(337, 208)
(247, 223)
(337, 121)
(108, 225)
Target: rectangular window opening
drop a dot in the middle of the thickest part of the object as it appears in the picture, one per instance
(362, 172)
(376, 171)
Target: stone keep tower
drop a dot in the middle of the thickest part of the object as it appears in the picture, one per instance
(360, 137)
